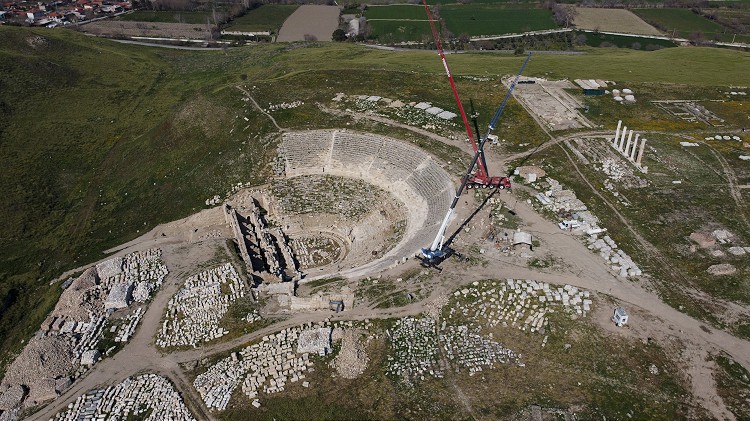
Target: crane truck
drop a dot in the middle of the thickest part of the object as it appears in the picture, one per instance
(438, 250)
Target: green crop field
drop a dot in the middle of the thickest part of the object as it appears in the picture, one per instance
(397, 12)
(684, 23)
(477, 2)
(268, 17)
(91, 161)
(488, 20)
(168, 17)
(393, 31)
(408, 23)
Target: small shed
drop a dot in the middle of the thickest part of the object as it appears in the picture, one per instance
(522, 240)
(620, 316)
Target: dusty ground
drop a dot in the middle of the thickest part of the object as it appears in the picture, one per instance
(612, 20)
(551, 105)
(310, 20)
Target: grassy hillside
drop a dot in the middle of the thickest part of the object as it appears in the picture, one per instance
(100, 141)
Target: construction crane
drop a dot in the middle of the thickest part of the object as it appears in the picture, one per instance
(480, 178)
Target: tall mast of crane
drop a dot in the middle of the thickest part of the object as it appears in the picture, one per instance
(482, 170)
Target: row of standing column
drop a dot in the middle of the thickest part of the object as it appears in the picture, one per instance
(627, 146)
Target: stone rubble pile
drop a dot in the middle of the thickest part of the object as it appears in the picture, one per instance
(519, 303)
(417, 344)
(266, 366)
(194, 313)
(415, 349)
(253, 316)
(561, 200)
(317, 341)
(133, 398)
(350, 198)
(352, 359)
(141, 271)
(621, 263)
(421, 114)
(75, 326)
(284, 106)
(43, 362)
(613, 169)
(435, 306)
(472, 351)
(583, 222)
(124, 331)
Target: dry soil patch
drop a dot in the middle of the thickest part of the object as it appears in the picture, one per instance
(612, 20)
(315, 21)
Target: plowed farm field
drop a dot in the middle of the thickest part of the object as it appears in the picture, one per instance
(612, 20)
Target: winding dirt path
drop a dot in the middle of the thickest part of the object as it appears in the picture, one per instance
(250, 97)
(733, 183)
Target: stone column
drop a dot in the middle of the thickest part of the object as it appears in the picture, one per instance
(617, 133)
(627, 145)
(622, 138)
(635, 146)
(640, 153)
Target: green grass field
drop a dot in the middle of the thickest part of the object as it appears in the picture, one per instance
(168, 17)
(268, 17)
(400, 11)
(684, 23)
(478, 20)
(152, 144)
(492, 2)
(393, 31)
(408, 23)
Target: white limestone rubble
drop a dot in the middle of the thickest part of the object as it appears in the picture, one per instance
(148, 397)
(195, 311)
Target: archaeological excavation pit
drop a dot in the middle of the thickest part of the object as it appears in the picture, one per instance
(345, 203)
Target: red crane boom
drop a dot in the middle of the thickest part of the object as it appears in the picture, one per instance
(481, 171)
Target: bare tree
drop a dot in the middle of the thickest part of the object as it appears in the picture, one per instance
(564, 14)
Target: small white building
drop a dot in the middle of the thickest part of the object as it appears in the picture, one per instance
(522, 240)
(620, 317)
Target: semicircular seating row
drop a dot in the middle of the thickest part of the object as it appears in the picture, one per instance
(406, 171)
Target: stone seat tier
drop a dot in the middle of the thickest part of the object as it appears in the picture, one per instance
(411, 175)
